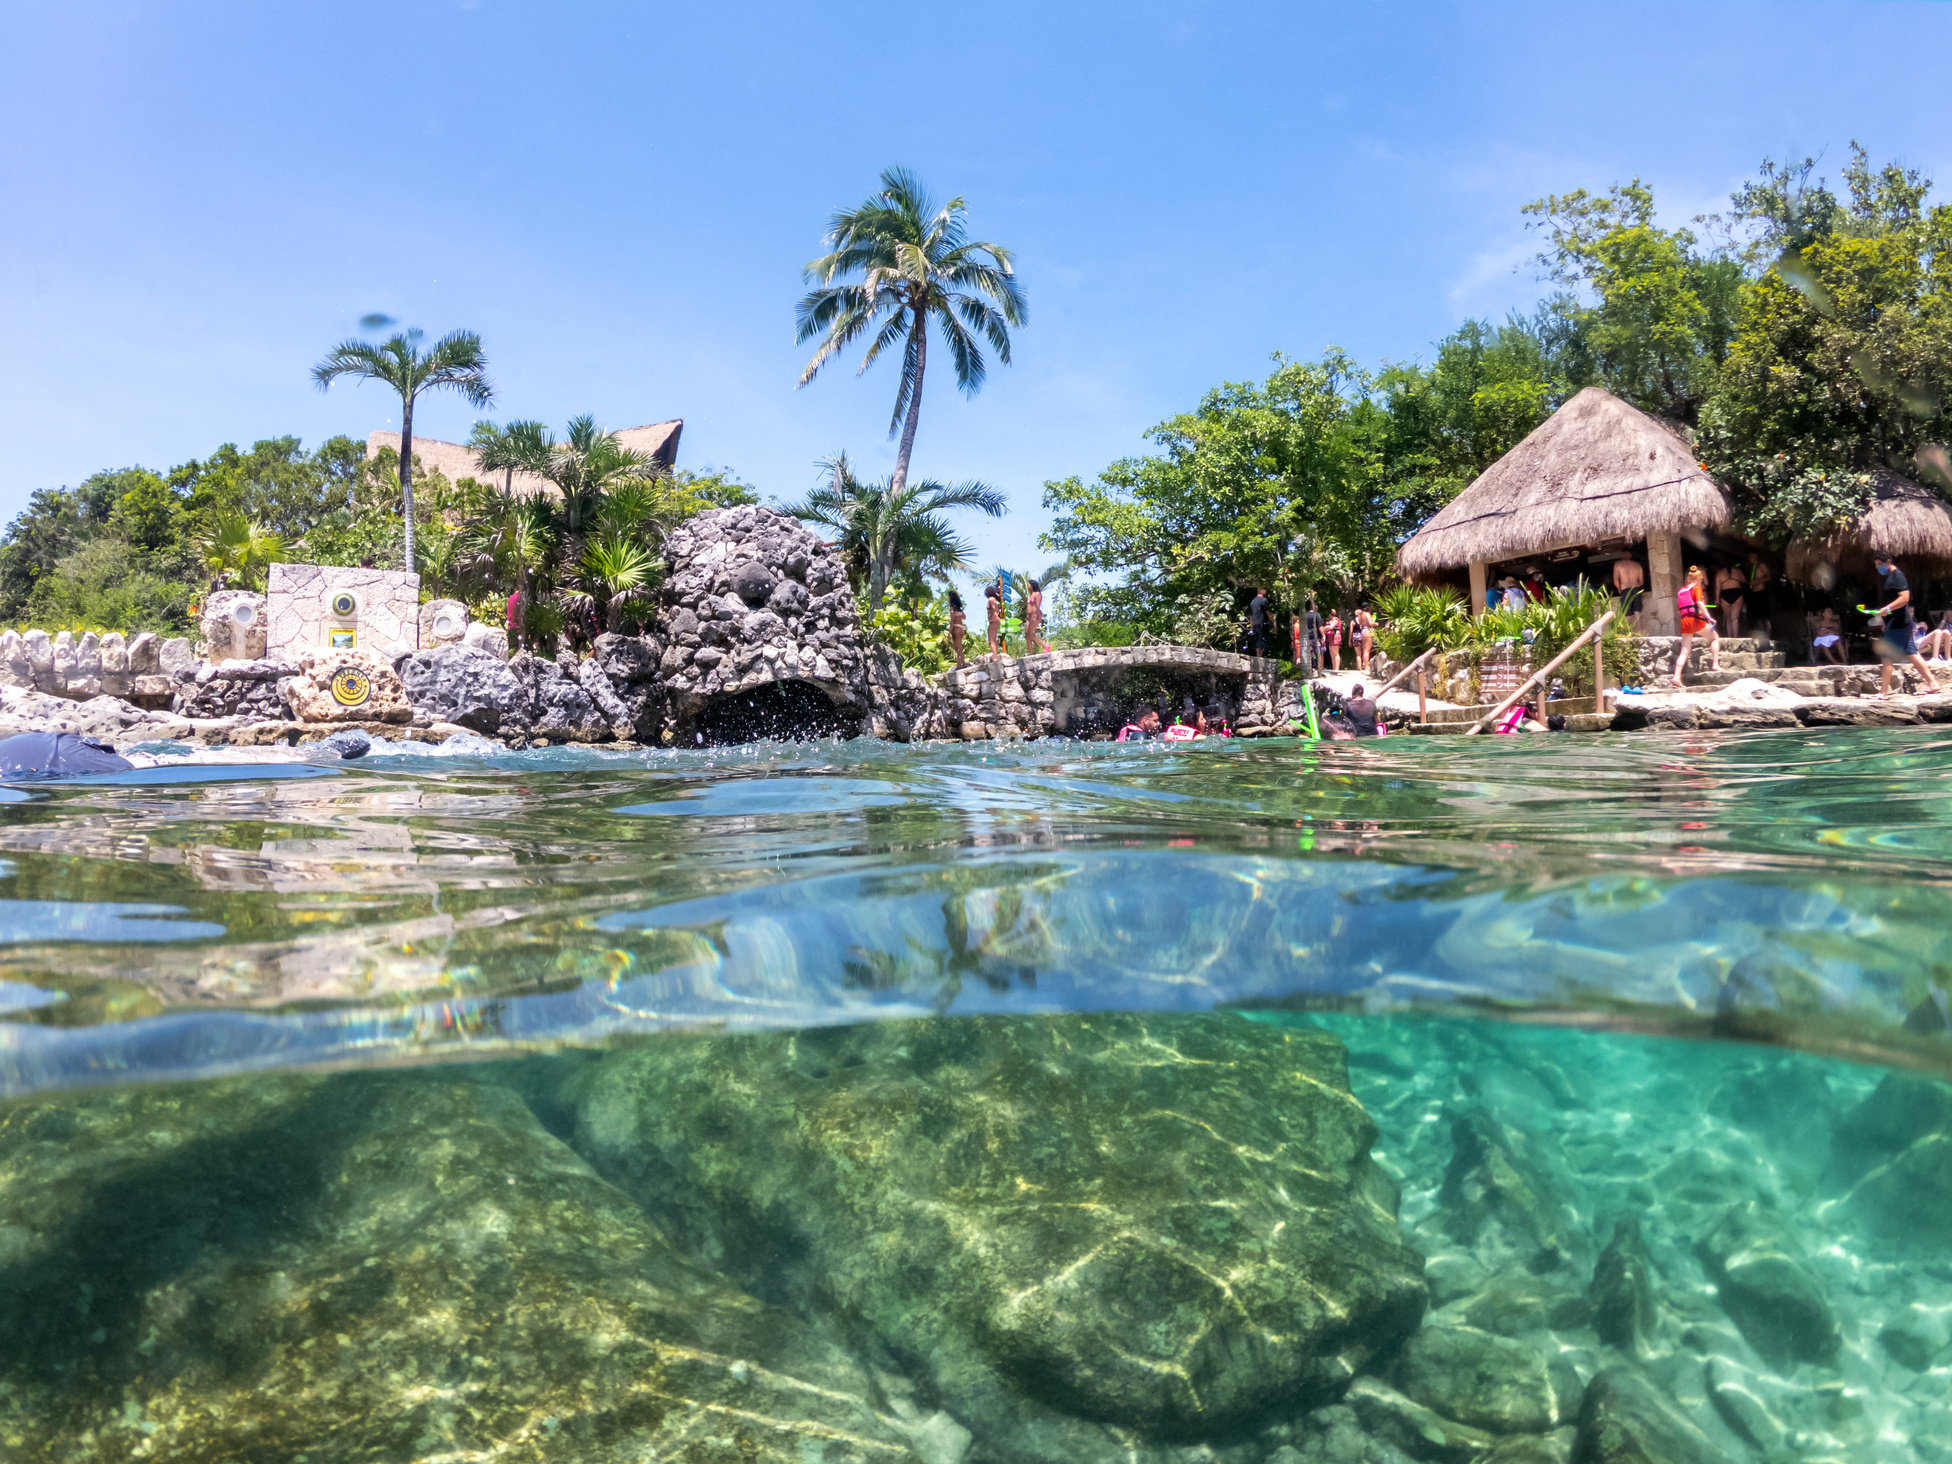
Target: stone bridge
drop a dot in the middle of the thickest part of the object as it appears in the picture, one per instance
(1094, 690)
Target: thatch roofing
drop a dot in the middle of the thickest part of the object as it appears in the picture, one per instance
(1903, 519)
(455, 460)
(1596, 469)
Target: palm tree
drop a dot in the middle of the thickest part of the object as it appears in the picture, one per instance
(234, 545)
(916, 265)
(520, 447)
(455, 362)
(884, 528)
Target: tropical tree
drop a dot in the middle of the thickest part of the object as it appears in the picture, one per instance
(887, 529)
(916, 265)
(454, 363)
(520, 447)
(232, 545)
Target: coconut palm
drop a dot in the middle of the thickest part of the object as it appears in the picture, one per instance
(454, 363)
(520, 447)
(916, 265)
(884, 529)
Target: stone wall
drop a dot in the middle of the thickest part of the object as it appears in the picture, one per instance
(139, 668)
(300, 611)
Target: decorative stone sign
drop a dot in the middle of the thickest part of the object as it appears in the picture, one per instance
(325, 606)
(346, 686)
(442, 623)
(233, 625)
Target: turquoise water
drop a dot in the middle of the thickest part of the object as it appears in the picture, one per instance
(1261, 1102)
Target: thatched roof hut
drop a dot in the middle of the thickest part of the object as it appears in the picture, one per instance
(1903, 519)
(1595, 470)
(456, 460)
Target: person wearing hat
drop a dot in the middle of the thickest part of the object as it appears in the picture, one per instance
(1512, 593)
(1894, 637)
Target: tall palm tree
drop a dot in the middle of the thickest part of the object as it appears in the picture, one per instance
(917, 265)
(454, 363)
(884, 528)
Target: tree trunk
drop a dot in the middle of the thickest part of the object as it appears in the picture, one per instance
(406, 474)
(900, 480)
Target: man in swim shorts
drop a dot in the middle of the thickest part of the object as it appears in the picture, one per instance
(1894, 639)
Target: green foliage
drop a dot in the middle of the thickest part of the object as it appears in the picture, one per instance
(237, 551)
(109, 584)
(1206, 618)
(918, 634)
(1413, 618)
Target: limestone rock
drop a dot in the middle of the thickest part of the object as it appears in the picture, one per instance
(465, 686)
(370, 691)
(143, 650)
(490, 639)
(1478, 1379)
(1168, 1222)
(1893, 1161)
(1623, 1290)
(1625, 1419)
(589, 675)
(559, 707)
(1405, 1424)
(372, 1267)
(175, 658)
(442, 623)
(1498, 1194)
(232, 623)
(1768, 1288)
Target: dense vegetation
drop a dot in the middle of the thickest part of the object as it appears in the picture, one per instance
(1805, 337)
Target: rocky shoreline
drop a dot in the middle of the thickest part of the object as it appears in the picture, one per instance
(1062, 1240)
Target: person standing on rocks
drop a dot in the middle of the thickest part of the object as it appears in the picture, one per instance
(993, 599)
(1033, 620)
(1257, 624)
(1332, 637)
(1697, 618)
(958, 626)
(1894, 639)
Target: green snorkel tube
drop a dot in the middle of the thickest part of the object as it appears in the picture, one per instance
(1308, 700)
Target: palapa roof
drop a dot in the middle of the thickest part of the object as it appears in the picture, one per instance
(1596, 469)
(455, 460)
(1903, 519)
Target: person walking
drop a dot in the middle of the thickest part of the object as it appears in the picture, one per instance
(1364, 637)
(958, 625)
(1033, 620)
(1332, 638)
(1894, 636)
(1257, 625)
(1312, 636)
(1697, 618)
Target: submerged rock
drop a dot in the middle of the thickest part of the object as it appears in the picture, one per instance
(1169, 1223)
(1498, 1195)
(1893, 1161)
(1625, 1419)
(1768, 1288)
(368, 1268)
(1475, 1378)
(1623, 1290)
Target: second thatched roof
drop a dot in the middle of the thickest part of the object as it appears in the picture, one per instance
(1903, 519)
(456, 460)
(1596, 469)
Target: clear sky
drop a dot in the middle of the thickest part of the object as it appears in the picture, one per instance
(200, 198)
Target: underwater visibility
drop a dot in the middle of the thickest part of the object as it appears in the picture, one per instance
(1526, 1100)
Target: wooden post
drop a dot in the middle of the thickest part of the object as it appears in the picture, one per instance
(1423, 706)
(1477, 586)
(1599, 673)
(1545, 690)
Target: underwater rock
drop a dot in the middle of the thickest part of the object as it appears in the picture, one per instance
(1476, 1378)
(1500, 1197)
(1767, 1287)
(1736, 1393)
(1623, 1290)
(1405, 1424)
(1336, 1436)
(374, 1267)
(1893, 1159)
(1918, 1338)
(1625, 1419)
(1171, 1223)
(1515, 1301)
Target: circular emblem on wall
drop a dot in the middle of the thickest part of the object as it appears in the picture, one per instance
(344, 604)
(350, 686)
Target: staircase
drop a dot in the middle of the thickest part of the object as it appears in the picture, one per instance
(1759, 660)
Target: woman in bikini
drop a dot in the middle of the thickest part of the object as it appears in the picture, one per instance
(1697, 618)
(1364, 635)
(1332, 638)
(958, 625)
(1033, 620)
(993, 598)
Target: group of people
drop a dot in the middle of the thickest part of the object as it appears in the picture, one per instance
(1002, 624)
(1313, 635)
(1189, 726)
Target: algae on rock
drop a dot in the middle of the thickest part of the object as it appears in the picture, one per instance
(1170, 1223)
(369, 1267)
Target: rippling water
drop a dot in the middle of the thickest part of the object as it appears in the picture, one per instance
(1674, 984)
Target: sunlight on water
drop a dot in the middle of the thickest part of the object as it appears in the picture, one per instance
(1253, 1103)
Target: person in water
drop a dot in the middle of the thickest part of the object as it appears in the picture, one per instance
(1361, 712)
(1033, 620)
(993, 601)
(1697, 618)
(958, 625)
(1894, 639)
(1142, 728)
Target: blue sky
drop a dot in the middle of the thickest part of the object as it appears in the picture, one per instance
(200, 199)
